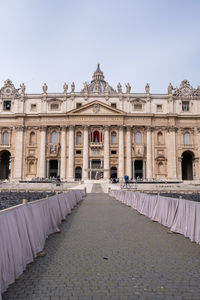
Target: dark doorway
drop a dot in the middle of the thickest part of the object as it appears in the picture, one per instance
(113, 172)
(5, 166)
(96, 164)
(53, 168)
(187, 168)
(138, 169)
(78, 173)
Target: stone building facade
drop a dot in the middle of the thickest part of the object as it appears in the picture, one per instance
(100, 132)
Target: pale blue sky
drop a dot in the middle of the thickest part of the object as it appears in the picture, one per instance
(136, 41)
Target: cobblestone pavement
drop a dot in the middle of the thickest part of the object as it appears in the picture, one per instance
(106, 250)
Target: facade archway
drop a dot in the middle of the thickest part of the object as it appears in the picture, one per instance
(113, 172)
(187, 165)
(5, 166)
(78, 173)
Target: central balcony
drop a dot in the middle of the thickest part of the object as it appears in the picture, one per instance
(96, 144)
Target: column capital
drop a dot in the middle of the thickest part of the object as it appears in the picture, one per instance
(150, 128)
(43, 128)
(86, 127)
(128, 128)
(20, 128)
(71, 127)
(172, 129)
(63, 128)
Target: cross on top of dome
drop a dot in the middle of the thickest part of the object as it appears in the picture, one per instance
(98, 74)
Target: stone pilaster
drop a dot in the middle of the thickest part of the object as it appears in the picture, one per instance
(121, 153)
(149, 154)
(172, 164)
(71, 154)
(128, 152)
(63, 154)
(19, 145)
(85, 153)
(42, 171)
(106, 153)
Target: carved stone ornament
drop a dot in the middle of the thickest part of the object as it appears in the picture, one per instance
(96, 108)
(185, 90)
(9, 90)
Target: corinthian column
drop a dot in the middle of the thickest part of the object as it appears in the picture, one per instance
(128, 152)
(19, 145)
(149, 155)
(106, 152)
(63, 153)
(172, 168)
(85, 153)
(121, 153)
(42, 172)
(71, 154)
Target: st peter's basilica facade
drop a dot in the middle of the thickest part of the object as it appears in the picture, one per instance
(100, 132)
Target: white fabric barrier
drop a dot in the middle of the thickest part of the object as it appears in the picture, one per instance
(24, 229)
(181, 216)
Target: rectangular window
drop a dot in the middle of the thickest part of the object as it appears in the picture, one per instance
(33, 107)
(78, 105)
(185, 106)
(113, 151)
(7, 105)
(159, 107)
(54, 106)
(137, 106)
(78, 151)
(114, 105)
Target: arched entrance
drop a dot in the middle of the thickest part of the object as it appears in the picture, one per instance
(78, 173)
(113, 172)
(5, 166)
(187, 165)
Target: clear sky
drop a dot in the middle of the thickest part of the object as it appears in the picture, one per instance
(136, 41)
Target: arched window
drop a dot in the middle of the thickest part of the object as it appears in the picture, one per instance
(5, 138)
(186, 138)
(113, 138)
(54, 137)
(138, 137)
(160, 168)
(31, 168)
(160, 138)
(32, 140)
(78, 138)
(96, 137)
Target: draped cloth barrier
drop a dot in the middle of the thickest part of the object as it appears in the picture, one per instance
(181, 216)
(24, 229)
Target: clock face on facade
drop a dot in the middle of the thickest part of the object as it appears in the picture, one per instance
(186, 91)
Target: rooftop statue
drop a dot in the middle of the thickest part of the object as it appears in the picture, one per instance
(65, 87)
(119, 88)
(23, 88)
(170, 88)
(85, 89)
(128, 88)
(72, 87)
(147, 88)
(45, 88)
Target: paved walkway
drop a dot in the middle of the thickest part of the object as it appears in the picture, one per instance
(106, 250)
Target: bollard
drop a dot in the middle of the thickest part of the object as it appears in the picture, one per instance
(109, 189)
(47, 196)
(180, 197)
(24, 201)
(159, 193)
